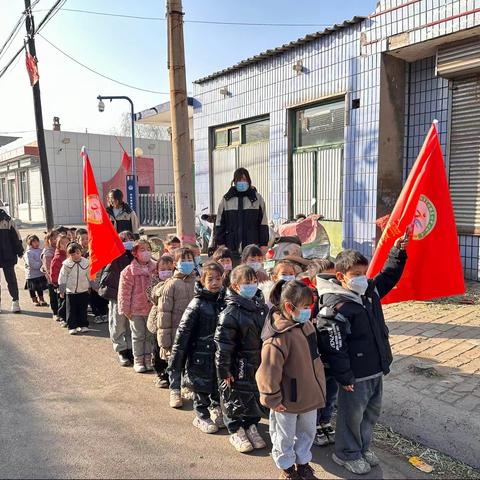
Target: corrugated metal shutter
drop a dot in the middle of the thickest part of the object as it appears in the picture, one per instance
(35, 187)
(223, 165)
(329, 181)
(464, 161)
(458, 60)
(255, 158)
(304, 192)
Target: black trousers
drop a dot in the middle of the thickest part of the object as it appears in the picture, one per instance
(62, 307)
(77, 304)
(53, 299)
(11, 279)
(159, 364)
(203, 401)
(99, 305)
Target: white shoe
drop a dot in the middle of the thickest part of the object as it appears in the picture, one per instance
(63, 323)
(176, 399)
(359, 467)
(255, 439)
(217, 416)
(371, 458)
(139, 367)
(83, 329)
(148, 362)
(205, 426)
(15, 307)
(240, 441)
(73, 331)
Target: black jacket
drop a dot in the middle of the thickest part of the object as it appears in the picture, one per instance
(194, 348)
(125, 220)
(238, 352)
(241, 220)
(358, 346)
(10, 243)
(110, 277)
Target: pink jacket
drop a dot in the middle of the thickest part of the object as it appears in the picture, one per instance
(134, 281)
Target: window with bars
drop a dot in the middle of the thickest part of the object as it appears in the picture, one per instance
(23, 187)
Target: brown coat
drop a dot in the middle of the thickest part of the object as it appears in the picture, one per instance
(171, 298)
(291, 372)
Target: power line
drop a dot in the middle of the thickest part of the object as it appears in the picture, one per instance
(208, 22)
(12, 35)
(101, 74)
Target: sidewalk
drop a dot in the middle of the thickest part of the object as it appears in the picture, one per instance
(433, 392)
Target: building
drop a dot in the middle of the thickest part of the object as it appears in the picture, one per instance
(21, 184)
(331, 123)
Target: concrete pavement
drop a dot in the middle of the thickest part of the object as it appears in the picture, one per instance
(69, 410)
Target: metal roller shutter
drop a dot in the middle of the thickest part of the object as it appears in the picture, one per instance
(330, 180)
(465, 154)
(304, 191)
(458, 60)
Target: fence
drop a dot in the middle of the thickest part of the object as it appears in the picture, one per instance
(157, 209)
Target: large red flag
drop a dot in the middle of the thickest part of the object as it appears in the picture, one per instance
(103, 240)
(424, 209)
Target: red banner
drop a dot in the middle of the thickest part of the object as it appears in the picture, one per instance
(103, 240)
(32, 69)
(424, 209)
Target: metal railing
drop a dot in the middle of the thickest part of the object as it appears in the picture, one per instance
(157, 209)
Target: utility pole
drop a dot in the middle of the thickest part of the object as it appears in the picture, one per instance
(37, 103)
(182, 153)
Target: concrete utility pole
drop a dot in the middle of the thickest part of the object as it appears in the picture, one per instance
(37, 103)
(182, 154)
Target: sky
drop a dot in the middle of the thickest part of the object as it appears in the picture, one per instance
(134, 51)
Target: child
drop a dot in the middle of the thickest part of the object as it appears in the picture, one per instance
(173, 297)
(165, 267)
(238, 343)
(82, 239)
(48, 252)
(194, 348)
(291, 378)
(134, 304)
(171, 245)
(74, 281)
(55, 267)
(283, 270)
(362, 354)
(72, 233)
(324, 268)
(118, 325)
(224, 257)
(36, 282)
(253, 257)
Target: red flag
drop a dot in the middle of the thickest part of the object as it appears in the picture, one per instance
(32, 69)
(103, 241)
(424, 209)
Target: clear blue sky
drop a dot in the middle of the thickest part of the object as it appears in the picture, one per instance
(134, 51)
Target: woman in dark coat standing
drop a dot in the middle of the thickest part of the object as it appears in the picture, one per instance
(242, 217)
(10, 249)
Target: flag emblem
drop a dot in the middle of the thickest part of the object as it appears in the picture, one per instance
(94, 209)
(425, 218)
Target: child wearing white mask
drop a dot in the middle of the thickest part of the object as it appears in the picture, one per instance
(360, 355)
(283, 270)
(134, 304)
(253, 257)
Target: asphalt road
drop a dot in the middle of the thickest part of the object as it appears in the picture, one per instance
(69, 411)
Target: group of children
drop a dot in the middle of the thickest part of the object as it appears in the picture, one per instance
(243, 343)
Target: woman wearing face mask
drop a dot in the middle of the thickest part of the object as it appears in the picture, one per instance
(134, 304)
(242, 217)
(291, 379)
(172, 298)
(238, 342)
(118, 325)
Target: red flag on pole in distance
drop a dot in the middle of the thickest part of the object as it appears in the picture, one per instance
(103, 241)
(424, 210)
(32, 69)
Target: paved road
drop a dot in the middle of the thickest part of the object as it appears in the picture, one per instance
(69, 410)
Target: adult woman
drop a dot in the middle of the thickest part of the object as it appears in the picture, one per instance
(121, 215)
(242, 218)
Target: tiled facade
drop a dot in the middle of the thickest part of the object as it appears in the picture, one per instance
(344, 61)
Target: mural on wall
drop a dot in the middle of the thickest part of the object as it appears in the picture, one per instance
(145, 175)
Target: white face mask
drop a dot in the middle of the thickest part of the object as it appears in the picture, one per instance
(358, 284)
(256, 266)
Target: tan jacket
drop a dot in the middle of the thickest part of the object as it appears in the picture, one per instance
(291, 372)
(171, 298)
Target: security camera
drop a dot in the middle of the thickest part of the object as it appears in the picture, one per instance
(101, 106)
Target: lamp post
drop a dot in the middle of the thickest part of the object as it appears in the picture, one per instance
(131, 181)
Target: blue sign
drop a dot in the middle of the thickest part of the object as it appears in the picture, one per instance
(130, 188)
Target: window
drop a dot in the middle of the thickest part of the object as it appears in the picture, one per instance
(221, 138)
(234, 136)
(320, 125)
(23, 187)
(3, 189)
(256, 131)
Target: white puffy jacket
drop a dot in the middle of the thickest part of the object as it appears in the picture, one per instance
(74, 276)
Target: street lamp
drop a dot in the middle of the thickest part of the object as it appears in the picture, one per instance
(131, 181)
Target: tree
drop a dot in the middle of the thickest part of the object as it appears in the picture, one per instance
(153, 132)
